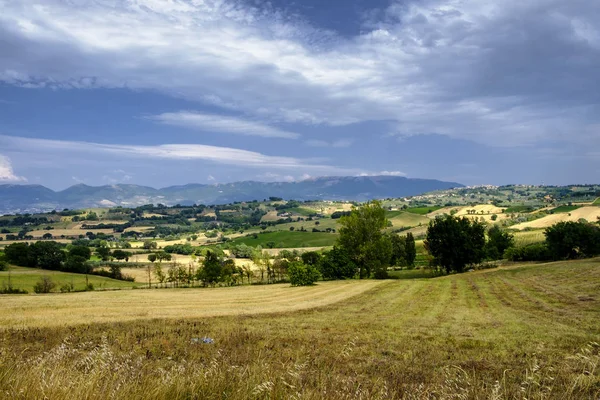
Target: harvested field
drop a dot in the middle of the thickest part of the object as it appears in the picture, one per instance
(591, 214)
(99, 307)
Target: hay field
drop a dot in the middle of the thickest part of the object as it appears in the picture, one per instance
(591, 214)
(405, 219)
(100, 307)
(528, 331)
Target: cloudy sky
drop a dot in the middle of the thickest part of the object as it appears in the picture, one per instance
(165, 92)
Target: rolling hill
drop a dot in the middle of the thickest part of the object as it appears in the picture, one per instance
(36, 198)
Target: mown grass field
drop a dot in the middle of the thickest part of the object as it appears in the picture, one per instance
(526, 331)
(283, 239)
(596, 202)
(26, 278)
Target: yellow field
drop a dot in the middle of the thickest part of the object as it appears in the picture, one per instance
(127, 305)
(590, 214)
(270, 216)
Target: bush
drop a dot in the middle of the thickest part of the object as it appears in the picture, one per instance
(44, 285)
(301, 274)
(532, 252)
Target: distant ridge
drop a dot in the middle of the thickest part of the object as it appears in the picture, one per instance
(36, 198)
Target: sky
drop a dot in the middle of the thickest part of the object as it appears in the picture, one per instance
(169, 92)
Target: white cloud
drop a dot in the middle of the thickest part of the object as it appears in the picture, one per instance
(211, 178)
(467, 69)
(6, 171)
(383, 173)
(180, 152)
(219, 123)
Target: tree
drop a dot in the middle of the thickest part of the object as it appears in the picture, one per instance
(301, 274)
(455, 242)
(498, 242)
(336, 264)
(81, 251)
(47, 255)
(411, 250)
(311, 258)
(159, 274)
(150, 245)
(398, 249)
(120, 255)
(103, 252)
(211, 269)
(362, 238)
(568, 240)
(152, 257)
(18, 254)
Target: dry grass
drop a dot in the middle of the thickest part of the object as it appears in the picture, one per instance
(525, 332)
(127, 305)
(591, 214)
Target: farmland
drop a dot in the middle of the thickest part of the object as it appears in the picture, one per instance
(26, 278)
(520, 331)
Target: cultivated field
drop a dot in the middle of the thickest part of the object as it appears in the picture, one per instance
(26, 278)
(526, 331)
(590, 214)
(114, 306)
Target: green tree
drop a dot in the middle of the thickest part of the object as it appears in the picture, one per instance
(211, 269)
(398, 249)
(47, 255)
(568, 240)
(152, 257)
(159, 274)
(498, 242)
(44, 285)
(411, 250)
(336, 264)
(81, 251)
(455, 242)
(120, 255)
(311, 258)
(361, 236)
(150, 245)
(103, 252)
(301, 274)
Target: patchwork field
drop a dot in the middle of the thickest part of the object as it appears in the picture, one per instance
(526, 331)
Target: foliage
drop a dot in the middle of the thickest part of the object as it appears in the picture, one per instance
(498, 242)
(455, 242)
(530, 252)
(301, 274)
(44, 285)
(337, 264)
(312, 258)
(398, 249)
(211, 269)
(411, 250)
(361, 236)
(569, 240)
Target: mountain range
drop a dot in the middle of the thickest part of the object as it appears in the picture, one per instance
(37, 198)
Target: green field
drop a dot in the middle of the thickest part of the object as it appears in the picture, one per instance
(423, 210)
(564, 209)
(596, 202)
(406, 219)
(521, 332)
(287, 239)
(26, 278)
(519, 209)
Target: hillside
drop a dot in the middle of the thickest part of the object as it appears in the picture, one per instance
(36, 198)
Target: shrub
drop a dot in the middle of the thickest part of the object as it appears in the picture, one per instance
(44, 285)
(301, 274)
(532, 252)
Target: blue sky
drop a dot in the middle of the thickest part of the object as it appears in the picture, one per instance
(167, 92)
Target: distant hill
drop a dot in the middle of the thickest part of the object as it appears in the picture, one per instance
(35, 198)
